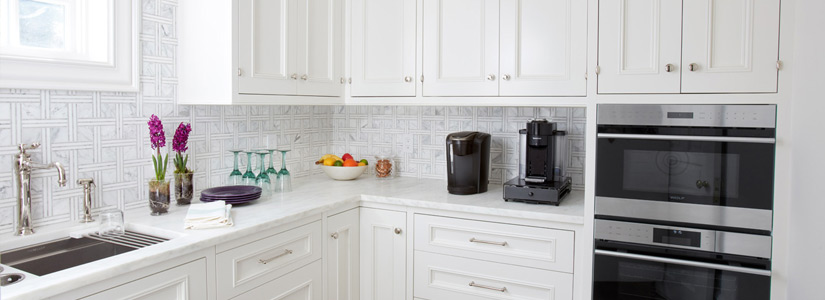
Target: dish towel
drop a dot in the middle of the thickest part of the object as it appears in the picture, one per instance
(208, 215)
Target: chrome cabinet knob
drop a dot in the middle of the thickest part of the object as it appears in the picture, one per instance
(334, 235)
(304, 78)
(397, 230)
(408, 79)
(294, 76)
(693, 67)
(668, 68)
(506, 77)
(491, 77)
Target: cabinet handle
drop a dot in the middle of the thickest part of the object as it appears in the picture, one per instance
(408, 79)
(693, 67)
(474, 240)
(397, 230)
(668, 68)
(240, 72)
(343, 81)
(294, 76)
(501, 289)
(491, 77)
(266, 261)
(506, 77)
(334, 235)
(304, 77)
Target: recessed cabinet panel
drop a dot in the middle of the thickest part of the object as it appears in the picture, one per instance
(640, 46)
(383, 47)
(461, 47)
(265, 58)
(732, 46)
(187, 281)
(342, 257)
(543, 47)
(383, 254)
(319, 44)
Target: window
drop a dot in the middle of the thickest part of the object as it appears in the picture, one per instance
(69, 44)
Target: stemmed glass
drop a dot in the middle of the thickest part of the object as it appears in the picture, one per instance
(249, 176)
(235, 178)
(263, 180)
(271, 171)
(284, 181)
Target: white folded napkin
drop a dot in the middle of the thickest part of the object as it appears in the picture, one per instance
(208, 215)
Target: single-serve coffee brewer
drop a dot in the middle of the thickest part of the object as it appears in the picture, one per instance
(541, 179)
(468, 162)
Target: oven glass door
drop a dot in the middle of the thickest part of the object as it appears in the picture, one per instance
(624, 278)
(706, 172)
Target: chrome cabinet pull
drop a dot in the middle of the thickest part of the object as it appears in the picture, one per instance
(684, 262)
(334, 235)
(501, 289)
(668, 68)
(240, 72)
(491, 77)
(693, 67)
(266, 261)
(506, 77)
(474, 240)
(397, 230)
(408, 79)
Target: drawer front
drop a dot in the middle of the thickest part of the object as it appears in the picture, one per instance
(303, 284)
(440, 276)
(534, 247)
(242, 268)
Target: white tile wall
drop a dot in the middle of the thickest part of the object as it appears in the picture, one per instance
(104, 134)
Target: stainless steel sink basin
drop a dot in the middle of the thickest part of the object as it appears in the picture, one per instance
(8, 279)
(53, 256)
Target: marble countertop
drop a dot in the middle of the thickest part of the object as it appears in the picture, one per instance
(310, 196)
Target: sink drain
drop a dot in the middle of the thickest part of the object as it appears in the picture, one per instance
(12, 278)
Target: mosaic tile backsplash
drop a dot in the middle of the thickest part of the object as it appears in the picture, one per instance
(104, 135)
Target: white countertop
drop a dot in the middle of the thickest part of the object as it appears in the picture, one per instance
(310, 196)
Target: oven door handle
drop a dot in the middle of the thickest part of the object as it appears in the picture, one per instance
(723, 139)
(685, 262)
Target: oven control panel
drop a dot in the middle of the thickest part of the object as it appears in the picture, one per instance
(657, 235)
(750, 116)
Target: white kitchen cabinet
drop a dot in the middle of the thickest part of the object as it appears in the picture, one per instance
(461, 47)
(656, 46)
(187, 281)
(640, 46)
(543, 48)
(342, 256)
(305, 283)
(320, 46)
(267, 46)
(383, 254)
(733, 46)
(383, 47)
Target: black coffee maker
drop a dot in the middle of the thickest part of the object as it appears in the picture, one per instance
(540, 178)
(468, 162)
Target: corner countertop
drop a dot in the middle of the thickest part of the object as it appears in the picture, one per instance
(310, 196)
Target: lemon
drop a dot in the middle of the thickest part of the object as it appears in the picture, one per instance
(329, 161)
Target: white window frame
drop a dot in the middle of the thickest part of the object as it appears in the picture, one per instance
(120, 72)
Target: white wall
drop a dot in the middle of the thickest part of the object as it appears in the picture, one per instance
(807, 219)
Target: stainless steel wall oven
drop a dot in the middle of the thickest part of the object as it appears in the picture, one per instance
(684, 201)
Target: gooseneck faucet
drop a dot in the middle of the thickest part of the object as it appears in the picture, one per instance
(23, 167)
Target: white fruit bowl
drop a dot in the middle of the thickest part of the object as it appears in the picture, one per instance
(343, 173)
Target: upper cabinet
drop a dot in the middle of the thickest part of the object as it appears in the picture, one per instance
(696, 46)
(260, 52)
(504, 48)
(383, 47)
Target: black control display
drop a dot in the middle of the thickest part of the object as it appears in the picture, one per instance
(677, 237)
(679, 115)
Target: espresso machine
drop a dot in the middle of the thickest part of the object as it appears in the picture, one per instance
(468, 162)
(540, 178)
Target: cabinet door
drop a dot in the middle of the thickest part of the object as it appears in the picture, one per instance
(342, 256)
(461, 47)
(187, 281)
(638, 39)
(543, 48)
(319, 44)
(265, 56)
(302, 284)
(383, 254)
(733, 45)
(383, 47)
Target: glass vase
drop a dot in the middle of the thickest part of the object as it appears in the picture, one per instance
(183, 188)
(159, 196)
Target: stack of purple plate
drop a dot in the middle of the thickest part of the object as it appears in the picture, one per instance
(233, 194)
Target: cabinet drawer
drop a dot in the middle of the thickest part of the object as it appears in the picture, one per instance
(242, 268)
(440, 276)
(527, 246)
(305, 283)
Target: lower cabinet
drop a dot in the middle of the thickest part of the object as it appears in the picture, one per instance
(383, 254)
(342, 256)
(187, 281)
(305, 283)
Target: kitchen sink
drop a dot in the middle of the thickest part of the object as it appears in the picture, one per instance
(49, 257)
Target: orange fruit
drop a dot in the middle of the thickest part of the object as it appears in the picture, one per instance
(350, 163)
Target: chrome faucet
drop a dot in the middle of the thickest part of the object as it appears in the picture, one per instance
(23, 167)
